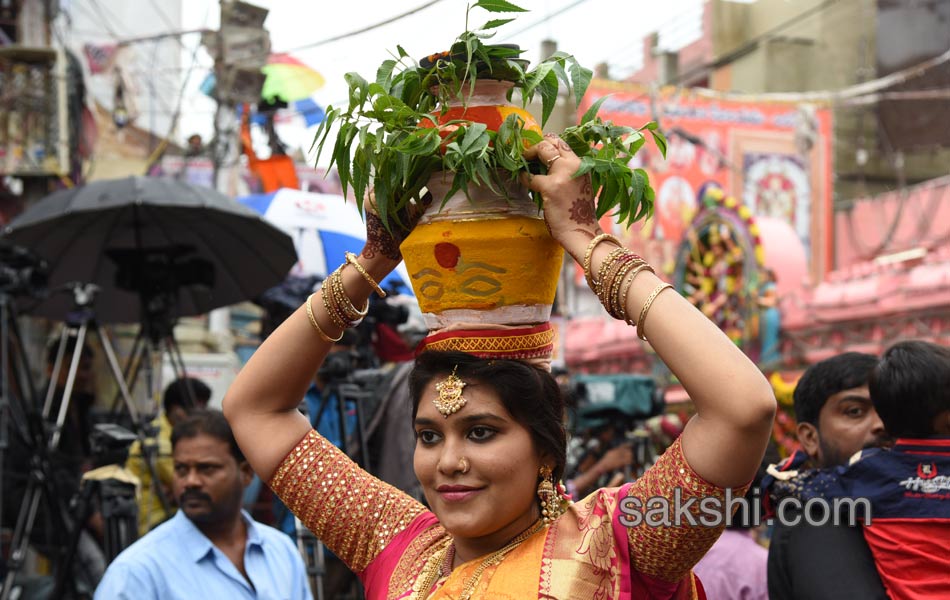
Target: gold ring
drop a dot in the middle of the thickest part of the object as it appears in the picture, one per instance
(463, 465)
(551, 162)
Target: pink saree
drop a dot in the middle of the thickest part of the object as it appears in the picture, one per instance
(387, 538)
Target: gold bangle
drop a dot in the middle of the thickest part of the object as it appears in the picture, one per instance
(330, 305)
(609, 279)
(646, 307)
(612, 293)
(351, 259)
(313, 321)
(342, 303)
(614, 259)
(622, 297)
(589, 254)
(354, 314)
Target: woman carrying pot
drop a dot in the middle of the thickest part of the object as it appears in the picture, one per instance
(491, 444)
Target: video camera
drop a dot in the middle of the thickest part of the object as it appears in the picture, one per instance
(349, 367)
(21, 271)
(110, 443)
(160, 270)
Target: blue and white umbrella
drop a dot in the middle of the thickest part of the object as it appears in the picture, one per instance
(323, 227)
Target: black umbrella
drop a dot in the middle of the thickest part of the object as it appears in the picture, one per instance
(152, 245)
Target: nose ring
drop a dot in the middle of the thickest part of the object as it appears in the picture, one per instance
(463, 465)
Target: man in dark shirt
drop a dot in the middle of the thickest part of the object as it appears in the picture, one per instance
(835, 420)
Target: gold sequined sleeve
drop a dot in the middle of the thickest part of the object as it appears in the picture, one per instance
(349, 510)
(667, 551)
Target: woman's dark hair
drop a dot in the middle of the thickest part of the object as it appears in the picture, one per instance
(910, 387)
(531, 395)
(208, 422)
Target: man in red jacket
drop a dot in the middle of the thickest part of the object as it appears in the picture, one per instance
(819, 561)
(907, 487)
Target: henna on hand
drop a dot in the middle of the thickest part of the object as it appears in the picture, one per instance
(379, 240)
(560, 144)
(582, 211)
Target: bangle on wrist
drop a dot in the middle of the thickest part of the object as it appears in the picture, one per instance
(351, 259)
(316, 326)
(589, 255)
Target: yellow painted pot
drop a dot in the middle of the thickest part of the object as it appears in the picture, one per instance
(486, 259)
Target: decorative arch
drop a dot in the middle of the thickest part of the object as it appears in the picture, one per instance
(720, 266)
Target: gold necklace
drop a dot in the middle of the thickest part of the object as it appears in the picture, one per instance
(430, 572)
(434, 566)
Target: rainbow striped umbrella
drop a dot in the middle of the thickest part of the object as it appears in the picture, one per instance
(288, 79)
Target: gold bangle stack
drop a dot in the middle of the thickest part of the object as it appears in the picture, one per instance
(351, 259)
(611, 261)
(614, 278)
(615, 294)
(316, 326)
(589, 255)
(338, 305)
(646, 308)
(622, 297)
(616, 274)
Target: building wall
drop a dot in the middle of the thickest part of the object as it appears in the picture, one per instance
(781, 46)
(151, 71)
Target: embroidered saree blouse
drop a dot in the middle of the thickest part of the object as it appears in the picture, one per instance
(387, 537)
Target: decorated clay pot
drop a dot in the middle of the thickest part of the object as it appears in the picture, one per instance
(484, 258)
(487, 104)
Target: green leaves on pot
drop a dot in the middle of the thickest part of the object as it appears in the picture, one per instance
(389, 135)
(606, 151)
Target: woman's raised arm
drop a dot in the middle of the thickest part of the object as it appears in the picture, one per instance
(725, 441)
(261, 404)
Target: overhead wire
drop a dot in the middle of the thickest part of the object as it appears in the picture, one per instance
(101, 12)
(684, 20)
(746, 48)
(363, 30)
(161, 14)
(544, 20)
(157, 154)
(105, 18)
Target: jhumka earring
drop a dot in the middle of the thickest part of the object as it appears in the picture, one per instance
(450, 398)
(548, 496)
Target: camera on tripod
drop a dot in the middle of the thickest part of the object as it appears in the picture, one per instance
(347, 367)
(110, 443)
(161, 269)
(21, 271)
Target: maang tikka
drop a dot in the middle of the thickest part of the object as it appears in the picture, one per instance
(450, 398)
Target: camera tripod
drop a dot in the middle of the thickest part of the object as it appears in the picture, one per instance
(41, 483)
(155, 339)
(112, 488)
(15, 374)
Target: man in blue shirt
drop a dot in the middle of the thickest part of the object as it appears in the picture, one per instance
(211, 548)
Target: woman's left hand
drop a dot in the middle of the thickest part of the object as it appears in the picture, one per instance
(568, 200)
